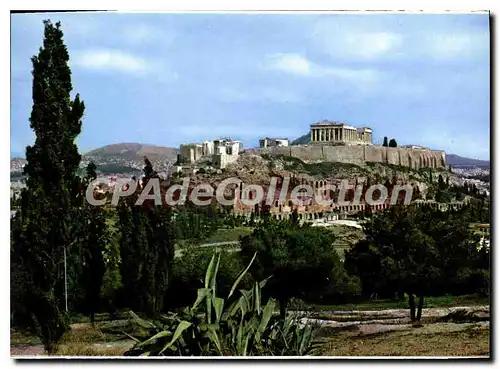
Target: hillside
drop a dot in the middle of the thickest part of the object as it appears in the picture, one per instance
(460, 161)
(134, 151)
(128, 157)
(122, 158)
(302, 140)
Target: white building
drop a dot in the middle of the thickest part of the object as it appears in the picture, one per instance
(273, 142)
(220, 151)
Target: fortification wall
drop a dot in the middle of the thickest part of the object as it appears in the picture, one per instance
(308, 153)
(344, 154)
(412, 158)
(373, 154)
(392, 155)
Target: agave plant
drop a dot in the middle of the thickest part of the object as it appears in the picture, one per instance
(235, 326)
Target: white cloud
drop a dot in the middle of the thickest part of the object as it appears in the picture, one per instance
(368, 45)
(116, 60)
(292, 63)
(374, 39)
(343, 41)
(299, 65)
(142, 33)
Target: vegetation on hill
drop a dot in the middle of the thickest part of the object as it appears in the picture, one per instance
(115, 168)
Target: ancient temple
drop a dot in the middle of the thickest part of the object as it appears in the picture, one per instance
(338, 133)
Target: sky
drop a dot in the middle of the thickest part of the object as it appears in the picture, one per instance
(167, 79)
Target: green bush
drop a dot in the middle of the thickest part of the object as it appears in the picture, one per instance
(239, 325)
(189, 269)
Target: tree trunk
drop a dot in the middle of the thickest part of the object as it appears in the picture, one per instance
(420, 306)
(411, 302)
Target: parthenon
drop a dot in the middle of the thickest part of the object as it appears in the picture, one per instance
(338, 133)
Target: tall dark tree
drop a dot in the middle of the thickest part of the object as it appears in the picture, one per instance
(441, 183)
(132, 243)
(47, 224)
(393, 143)
(95, 239)
(159, 251)
(146, 249)
(385, 144)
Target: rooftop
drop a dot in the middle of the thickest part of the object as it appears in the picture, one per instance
(328, 123)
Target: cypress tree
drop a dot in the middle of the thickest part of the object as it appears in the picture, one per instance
(393, 143)
(385, 142)
(96, 238)
(146, 250)
(131, 246)
(46, 228)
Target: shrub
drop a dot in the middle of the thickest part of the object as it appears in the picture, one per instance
(235, 326)
(188, 272)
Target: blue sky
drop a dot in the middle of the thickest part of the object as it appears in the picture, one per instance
(167, 79)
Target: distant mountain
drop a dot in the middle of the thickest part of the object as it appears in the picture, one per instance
(119, 158)
(129, 157)
(302, 140)
(133, 151)
(459, 161)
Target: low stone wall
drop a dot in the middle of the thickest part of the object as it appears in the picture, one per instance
(412, 158)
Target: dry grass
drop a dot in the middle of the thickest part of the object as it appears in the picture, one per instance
(84, 333)
(470, 342)
(81, 349)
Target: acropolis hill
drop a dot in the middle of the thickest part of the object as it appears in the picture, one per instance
(340, 142)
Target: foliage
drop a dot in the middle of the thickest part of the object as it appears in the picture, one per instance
(393, 143)
(47, 221)
(188, 272)
(234, 326)
(417, 251)
(300, 258)
(115, 168)
(146, 250)
(385, 144)
(95, 237)
(199, 223)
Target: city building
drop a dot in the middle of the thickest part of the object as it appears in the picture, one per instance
(219, 152)
(273, 142)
